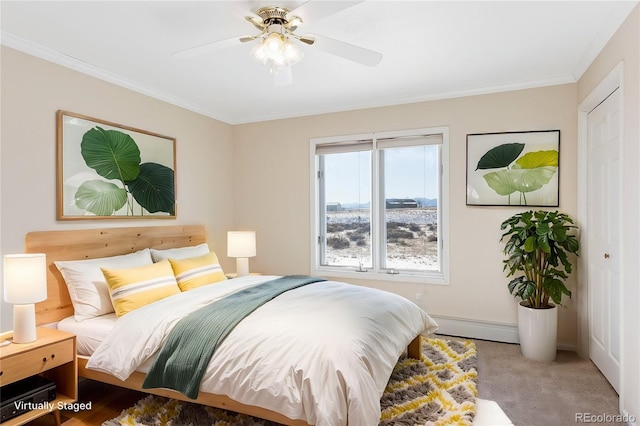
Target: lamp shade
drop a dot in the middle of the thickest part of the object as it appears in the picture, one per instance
(25, 278)
(241, 243)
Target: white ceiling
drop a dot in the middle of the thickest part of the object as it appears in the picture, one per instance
(431, 50)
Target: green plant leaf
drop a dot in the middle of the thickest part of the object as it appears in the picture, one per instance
(530, 244)
(523, 233)
(500, 156)
(501, 182)
(511, 222)
(512, 245)
(542, 229)
(558, 273)
(527, 218)
(513, 283)
(505, 182)
(522, 288)
(513, 263)
(571, 245)
(543, 243)
(100, 198)
(111, 153)
(555, 289)
(533, 160)
(154, 188)
(527, 290)
(559, 233)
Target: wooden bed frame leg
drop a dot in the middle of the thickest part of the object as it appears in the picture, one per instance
(414, 350)
(56, 417)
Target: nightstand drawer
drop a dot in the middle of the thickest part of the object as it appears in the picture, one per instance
(35, 361)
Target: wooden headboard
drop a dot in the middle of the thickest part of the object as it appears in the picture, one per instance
(93, 243)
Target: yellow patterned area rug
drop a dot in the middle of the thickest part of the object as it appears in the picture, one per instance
(439, 389)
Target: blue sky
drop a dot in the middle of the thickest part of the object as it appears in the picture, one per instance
(410, 172)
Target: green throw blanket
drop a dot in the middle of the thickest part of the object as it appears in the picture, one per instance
(191, 343)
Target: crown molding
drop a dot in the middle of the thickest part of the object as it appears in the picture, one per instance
(76, 64)
(612, 24)
(552, 81)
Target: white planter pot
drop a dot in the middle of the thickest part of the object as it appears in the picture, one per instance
(538, 331)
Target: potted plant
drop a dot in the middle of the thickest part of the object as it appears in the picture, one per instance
(538, 246)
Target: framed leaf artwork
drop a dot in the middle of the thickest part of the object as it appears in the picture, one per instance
(106, 170)
(513, 168)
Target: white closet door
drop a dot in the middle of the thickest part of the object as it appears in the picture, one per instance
(604, 211)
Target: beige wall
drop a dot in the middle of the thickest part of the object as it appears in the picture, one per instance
(625, 47)
(271, 178)
(33, 90)
(256, 176)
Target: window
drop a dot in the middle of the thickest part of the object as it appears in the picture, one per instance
(379, 205)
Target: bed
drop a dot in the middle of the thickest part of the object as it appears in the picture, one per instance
(290, 391)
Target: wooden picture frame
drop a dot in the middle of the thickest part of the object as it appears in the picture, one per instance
(110, 171)
(513, 168)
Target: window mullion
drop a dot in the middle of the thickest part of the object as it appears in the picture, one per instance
(439, 220)
(322, 215)
(377, 230)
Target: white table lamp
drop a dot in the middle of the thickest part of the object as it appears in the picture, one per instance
(25, 283)
(242, 246)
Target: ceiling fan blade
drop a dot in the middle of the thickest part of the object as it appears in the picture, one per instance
(245, 39)
(307, 39)
(313, 11)
(348, 51)
(209, 47)
(256, 22)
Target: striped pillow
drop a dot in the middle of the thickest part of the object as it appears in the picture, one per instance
(132, 288)
(197, 271)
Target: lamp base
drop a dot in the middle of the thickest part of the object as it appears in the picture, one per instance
(24, 323)
(242, 266)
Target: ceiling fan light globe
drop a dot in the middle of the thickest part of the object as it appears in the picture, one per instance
(259, 53)
(278, 58)
(292, 53)
(274, 42)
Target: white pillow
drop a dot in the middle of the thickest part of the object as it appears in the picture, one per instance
(87, 285)
(180, 253)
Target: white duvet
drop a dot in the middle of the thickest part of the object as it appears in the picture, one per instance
(322, 353)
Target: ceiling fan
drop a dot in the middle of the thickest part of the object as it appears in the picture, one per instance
(277, 42)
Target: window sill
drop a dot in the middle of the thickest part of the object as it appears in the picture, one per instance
(431, 278)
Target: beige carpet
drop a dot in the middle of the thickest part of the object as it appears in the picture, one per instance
(536, 393)
(440, 389)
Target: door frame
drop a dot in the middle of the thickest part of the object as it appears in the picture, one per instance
(614, 80)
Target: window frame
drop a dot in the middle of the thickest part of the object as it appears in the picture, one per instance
(378, 246)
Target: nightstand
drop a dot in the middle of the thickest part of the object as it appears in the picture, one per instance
(52, 355)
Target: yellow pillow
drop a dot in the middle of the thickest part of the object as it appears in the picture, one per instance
(132, 288)
(197, 271)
